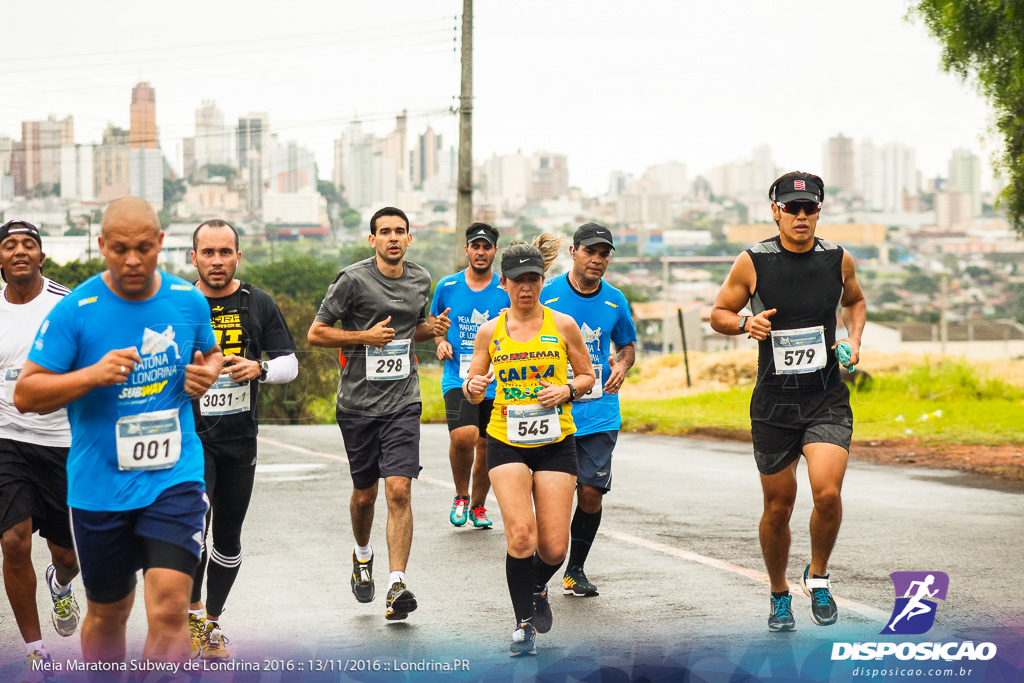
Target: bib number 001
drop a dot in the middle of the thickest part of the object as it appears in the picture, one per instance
(797, 352)
(389, 362)
(532, 424)
(150, 441)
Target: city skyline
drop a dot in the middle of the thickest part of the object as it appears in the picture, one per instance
(609, 92)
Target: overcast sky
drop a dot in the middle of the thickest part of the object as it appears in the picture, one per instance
(614, 86)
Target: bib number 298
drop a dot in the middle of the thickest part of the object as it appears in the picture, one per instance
(389, 365)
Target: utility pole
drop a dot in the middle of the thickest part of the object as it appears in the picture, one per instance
(464, 202)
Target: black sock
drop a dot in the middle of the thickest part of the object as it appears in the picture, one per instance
(519, 574)
(220, 578)
(582, 531)
(542, 572)
(779, 594)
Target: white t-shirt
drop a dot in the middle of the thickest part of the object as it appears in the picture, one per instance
(18, 326)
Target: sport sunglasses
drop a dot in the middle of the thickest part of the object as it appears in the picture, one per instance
(794, 208)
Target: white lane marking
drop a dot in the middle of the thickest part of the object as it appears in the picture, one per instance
(752, 574)
(273, 468)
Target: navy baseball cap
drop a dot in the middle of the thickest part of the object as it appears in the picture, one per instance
(592, 233)
(17, 227)
(514, 266)
(793, 186)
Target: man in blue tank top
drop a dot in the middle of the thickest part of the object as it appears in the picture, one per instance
(474, 296)
(127, 351)
(603, 315)
(794, 283)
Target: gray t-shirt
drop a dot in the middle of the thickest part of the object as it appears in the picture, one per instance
(359, 298)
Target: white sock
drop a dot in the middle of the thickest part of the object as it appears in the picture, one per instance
(57, 588)
(364, 552)
(36, 646)
(395, 578)
(201, 612)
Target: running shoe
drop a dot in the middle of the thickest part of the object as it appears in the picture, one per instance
(197, 633)
(542, 611)
(362, 579)
(575, 582)
(215, 642)
(400, 602)
(65, 607)
(781, 616)
(37, 668)
(823, 607)
(524, 640)
(460, 508)
(479, 515)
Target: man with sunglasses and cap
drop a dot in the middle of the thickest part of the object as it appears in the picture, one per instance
(603, 316)
(474, 296)
(33, 450)
(794, 283)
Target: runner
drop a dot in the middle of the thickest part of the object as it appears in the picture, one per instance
(125, 352)
(380, 303)
(794, 283)
(474, 297)
(531, 450)
(33, 452)
(603, 316)
(247, 323)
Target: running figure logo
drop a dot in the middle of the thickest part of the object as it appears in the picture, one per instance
(916, 592)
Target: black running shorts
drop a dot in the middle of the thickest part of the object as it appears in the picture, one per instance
(782, 423)
(34, 484)
(461, 413)
(385, 446)
(553, 457)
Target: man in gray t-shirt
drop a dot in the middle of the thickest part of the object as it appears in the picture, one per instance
(380, 305)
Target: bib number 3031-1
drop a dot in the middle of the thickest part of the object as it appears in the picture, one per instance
(532, 424)
(799, 351)
(225, 397)
(150, 441)
(388, 362)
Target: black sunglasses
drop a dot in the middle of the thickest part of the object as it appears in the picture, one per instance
(794, 208)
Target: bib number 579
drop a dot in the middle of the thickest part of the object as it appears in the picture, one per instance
(799, 356)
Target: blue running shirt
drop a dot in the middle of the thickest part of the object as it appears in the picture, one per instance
(166, 329)
(470, 310)
(603, 318)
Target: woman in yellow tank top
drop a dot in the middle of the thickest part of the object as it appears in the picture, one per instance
(531, 451)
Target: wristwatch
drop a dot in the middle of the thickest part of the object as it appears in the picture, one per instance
(572, 392)
(264, 368)
(743, 323)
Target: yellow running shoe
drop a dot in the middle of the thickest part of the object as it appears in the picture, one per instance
(197, 631)
(215, 642)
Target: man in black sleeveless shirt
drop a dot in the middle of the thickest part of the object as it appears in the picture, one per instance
(248, 324)
(794, 283)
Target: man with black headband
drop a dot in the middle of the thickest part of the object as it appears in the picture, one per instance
(794, 282)
(380, 304)
(33, 450)
(474, 296)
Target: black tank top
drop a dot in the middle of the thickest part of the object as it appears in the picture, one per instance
(806, 289)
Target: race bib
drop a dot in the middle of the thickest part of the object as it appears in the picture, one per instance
(150, 441)
(225, 397)
(465, 360)
(390, 362)
(797, 352)
(597, 391)
(532, 424)
(11, 376)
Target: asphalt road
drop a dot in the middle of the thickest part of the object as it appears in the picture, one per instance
(677, 563)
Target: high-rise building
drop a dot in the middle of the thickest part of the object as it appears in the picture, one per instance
(146, 175)
(549, 176)
(253, 137)
(76, 177)
(869, 175)
(965, 176)
(837, 162)
(213, 141)
(668, 179)
(899, 176)
(42, 142)
(6, 150)
(763, 173)
(393, 146)
(111, 178)
(425, 157)
(188, 157)
(353, 166)
(142, 131)
(292, 167)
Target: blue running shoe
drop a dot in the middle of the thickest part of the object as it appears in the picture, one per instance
(823, 607)
(524, 641)
(781, 616)
(460, 511)
(479, 515)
